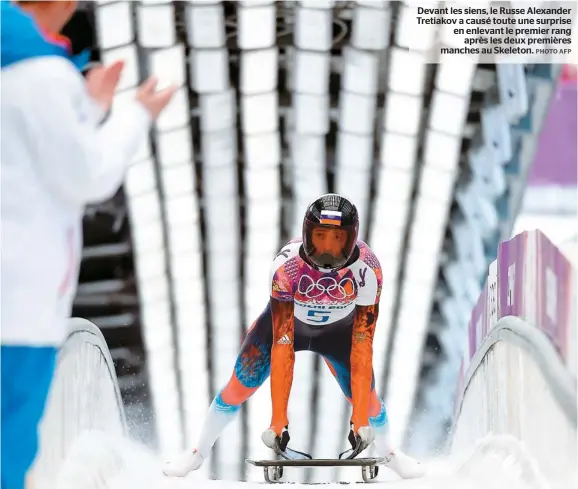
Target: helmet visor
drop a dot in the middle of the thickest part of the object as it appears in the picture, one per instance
(329, 246)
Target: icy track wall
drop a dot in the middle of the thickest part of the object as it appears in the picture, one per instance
(84, 397)
(518, 374)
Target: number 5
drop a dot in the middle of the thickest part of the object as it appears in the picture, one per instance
(318, 316)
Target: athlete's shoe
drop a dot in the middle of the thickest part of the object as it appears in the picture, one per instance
(183, 464)
(404, 466)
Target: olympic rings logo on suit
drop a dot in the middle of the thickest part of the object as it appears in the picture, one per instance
(326, 285)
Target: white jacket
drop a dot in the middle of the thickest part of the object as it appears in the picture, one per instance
(54, 160)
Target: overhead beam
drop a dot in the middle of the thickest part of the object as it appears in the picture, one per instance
(101, 287)
(106, 251)
(96, 300)
(116, 321)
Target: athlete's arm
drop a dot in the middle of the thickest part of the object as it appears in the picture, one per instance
(78, 160)
(282, 361)
(368, 271)
(282, 349)
(362, 362)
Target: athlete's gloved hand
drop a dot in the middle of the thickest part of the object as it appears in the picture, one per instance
(359, 439)
(275, 441)
(364, 437)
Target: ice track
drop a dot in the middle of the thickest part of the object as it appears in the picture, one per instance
(98, 461)
(95, 452)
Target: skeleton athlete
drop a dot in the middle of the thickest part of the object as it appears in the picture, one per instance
(324, 297)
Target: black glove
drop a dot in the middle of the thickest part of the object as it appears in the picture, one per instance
(283, 440)
(358, 441)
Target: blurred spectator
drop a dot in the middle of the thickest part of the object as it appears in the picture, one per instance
(56, 157)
